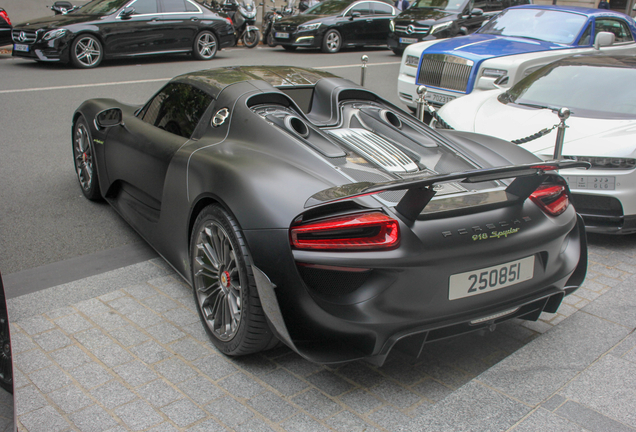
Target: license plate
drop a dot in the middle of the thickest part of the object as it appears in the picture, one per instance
(438, 98)
(19, 47)
(490, 279)
(282, 35)
(408, 40)
(590, 182)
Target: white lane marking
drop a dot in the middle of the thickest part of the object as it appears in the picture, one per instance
(156, 80)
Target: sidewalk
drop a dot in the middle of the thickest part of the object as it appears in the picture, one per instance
(125, 350)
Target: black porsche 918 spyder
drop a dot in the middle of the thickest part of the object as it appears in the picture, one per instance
(306, 209)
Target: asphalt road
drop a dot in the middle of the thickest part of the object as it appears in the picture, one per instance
(44, 218)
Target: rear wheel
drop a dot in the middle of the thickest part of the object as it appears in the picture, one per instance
(270, 39)
(84, 158)
(86, 52)
(224, 287)
(251, 38)
(205, 46)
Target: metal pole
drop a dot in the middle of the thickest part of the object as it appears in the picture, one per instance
(363, 71)
(421, 97)
(564, 114)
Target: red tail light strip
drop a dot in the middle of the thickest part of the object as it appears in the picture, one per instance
(553, 199)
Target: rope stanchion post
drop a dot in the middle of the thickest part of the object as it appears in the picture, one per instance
(363, 70)
(564, 114)
(421, 100)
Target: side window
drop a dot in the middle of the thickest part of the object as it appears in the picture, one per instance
(145, 7)
(586, 37)
(619, 28)
(177, 109)
(363, 8)
(190, 7)
(168, 6)
(382, 9)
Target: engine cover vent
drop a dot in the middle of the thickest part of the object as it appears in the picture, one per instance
(376, 149)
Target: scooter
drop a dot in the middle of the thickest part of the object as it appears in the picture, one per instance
(271, 17)
(63, 7)
(243, 17)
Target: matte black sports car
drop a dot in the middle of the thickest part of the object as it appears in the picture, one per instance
(306, 209)
(104, 29)
(334, 24)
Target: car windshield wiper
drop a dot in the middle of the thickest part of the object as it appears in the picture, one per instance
(531, 105)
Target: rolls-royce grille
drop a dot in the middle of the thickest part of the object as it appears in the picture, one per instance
(23, 36)
(445, 71)
(412, 29)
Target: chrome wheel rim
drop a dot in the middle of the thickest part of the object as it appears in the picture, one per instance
(83, 157)
(87, 51)
(206, 45)
(333, 41)
(217, 281)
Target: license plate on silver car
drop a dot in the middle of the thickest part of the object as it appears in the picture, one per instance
(408, 40)
(491, 278)
(20, 47)
(438, 98)
(591, 182)
(282, 35)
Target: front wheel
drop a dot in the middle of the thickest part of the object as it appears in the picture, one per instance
(84, 157)
(224, 287)
(332, 42)
(251, 38)
(205, 46)
(86, 52)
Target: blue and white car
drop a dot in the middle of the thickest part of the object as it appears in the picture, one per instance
(510, 46)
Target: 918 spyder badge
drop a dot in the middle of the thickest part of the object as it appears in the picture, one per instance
(495, 234)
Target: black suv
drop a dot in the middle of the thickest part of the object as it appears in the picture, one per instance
(437, 19)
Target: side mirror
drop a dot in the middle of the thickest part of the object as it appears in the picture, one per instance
(604, 39)
(127, 12)
(355, 15)
(477, 12)
(109, 118)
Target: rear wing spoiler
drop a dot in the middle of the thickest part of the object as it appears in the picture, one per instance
(420, 190)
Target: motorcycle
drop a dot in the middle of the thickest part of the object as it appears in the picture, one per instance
(271, 17)
(63, 7)
(243, 17)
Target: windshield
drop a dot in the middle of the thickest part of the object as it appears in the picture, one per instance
(247, 3)
(329, 7)
(449, 5)
(101, 7)
(587, 90)
(547, 25)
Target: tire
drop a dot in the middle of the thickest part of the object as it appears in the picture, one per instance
(289, 48)
(205, 46)
(86, 52)
(84, 160)
(251, 38)
(224, 287)
(332, 42)
(397, 51)
(270, 39)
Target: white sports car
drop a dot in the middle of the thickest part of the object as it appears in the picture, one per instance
(600, 93)
(509, 47)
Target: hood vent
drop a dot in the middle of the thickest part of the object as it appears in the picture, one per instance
(376, 149)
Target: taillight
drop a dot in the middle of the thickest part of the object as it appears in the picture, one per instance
(553, 199)
(364, 231)
(4, 15)
(229, 20)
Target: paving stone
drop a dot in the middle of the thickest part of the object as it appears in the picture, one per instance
(150, 352)
(348, 422)
(360, 401)
(44, 420)
(395, 394)
(158, 393)
(197, 331)
(19, 379)
(35, 325)
(20, 342)
(256, 364)
(389, 417)
(52, 340)
(60, 312)
(297, 365)
(302, 422)
(209, 425)
(126, 305)
(113, 394)
(141, 291)
(181, 316)
(272, 406)
(361, 373)
(590, 419)
(159, 303)
(542, 420)
(215, 367)
(135, 373)
(128, 336)
(49, 379)
(73, 323)
(172, 288)
(90, 375)
(112, 296)
(138, 415)
(201, 390)
(144, 318)
(189, 349)
(316, 404)
(183, 412)
(617, 305)
(112, 355)
(432, 390)
(92, 338)
(109, 321)
(175, 370)
(443, 372)
(93, 419)
(92, 307)
(284, 382)
(30, 361)
(165, 332)
(70, 357)
(553, 403)
(164, 427)
(70, 399)
(28, 399)
(229, 411)
(329, 383)
(254, 424)
(241, 385)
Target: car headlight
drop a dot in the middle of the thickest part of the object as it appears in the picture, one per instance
(54, 34)
(392, 25)
(412, 61)
(308, 27)
(606, 162)
(439, 27)
(494, 73)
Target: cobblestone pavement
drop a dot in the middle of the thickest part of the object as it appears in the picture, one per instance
(125, 351)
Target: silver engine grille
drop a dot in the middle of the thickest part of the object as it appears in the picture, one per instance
(445, 71)
(412, 29)
(23, 36)
(376, 149)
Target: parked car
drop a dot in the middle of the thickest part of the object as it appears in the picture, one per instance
(306, 209)
(509, 47)
(438, 19)
(104, 29)
(601, 129)
(5, 28)
(335, 24)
